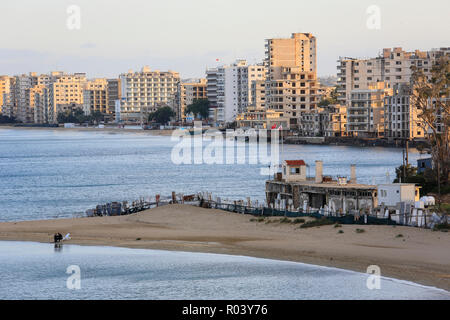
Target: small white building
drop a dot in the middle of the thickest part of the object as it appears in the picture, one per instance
(393, 193)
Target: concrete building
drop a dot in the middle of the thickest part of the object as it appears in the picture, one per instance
(291, 80)
(401, 117)
(95, 96)
(258, 93)
(64, 93)
(365, 110)
(230, 89)
(393, 66)
(191, 90)
(6, 84)
(261, 118)
(112, 95)
(337, 121)
(328, 121)
(145, 91)
(215, 78)
(390, 195)
(293, 188)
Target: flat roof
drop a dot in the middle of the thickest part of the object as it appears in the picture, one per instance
(333, 184)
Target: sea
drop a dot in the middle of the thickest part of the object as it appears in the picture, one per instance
(40, 271)
(46, 174)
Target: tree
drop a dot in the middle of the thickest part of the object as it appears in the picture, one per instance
(200, 108)
(430, 97)
(162, 115)
(6, 119)
(332, 99)
(72, 116)
(404, 173)
(97, 116)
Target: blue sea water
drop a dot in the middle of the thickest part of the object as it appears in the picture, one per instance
(37, 271)
(48, 174)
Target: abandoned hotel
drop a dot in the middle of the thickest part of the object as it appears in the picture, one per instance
(292, 189)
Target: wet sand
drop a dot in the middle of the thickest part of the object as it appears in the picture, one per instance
(418, 255)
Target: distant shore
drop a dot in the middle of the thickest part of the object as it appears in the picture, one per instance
(166, 132)
(407, 253)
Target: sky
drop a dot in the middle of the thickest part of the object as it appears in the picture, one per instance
(109, 37)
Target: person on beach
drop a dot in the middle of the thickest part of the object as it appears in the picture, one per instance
(57, 237)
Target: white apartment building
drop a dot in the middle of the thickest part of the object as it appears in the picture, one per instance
(145, 91)
(230, 90)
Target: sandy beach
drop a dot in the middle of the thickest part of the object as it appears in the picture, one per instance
(407, 253)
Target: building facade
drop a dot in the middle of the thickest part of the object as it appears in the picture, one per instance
(113, 94)
(400, 115)
(189, 92)
(291, 79)
(365, 111)
(144, 92)
(231, 89)
(95, 96)
(393, 66)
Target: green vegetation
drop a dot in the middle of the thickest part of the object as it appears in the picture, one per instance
(332, 99)
(162, 115)
(256, 219)
(6, 119)
(317, 223)
(77, 116)
(284, 220)
(360, 230)
(200, 108)
(137, 239)
(399, 235)
(444, 227)
(337, 225)
(341, 231)
(435, 117)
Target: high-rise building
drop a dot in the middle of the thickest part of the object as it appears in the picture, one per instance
(215, 79)
(65, 93)
(113, 94)
(231, 89)
(191, 90)
(95, 96)
(365, 111)
(291, 79)
(400, 116)
(393, 66)
(6, 83)
(145, 91)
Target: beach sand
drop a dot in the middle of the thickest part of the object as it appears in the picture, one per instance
(419, 255)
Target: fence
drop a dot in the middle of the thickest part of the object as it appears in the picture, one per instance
(271, 212)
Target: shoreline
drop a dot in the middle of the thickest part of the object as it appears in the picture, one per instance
(158, 132)
(408, 282)
(354, 142)
(420, 256)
